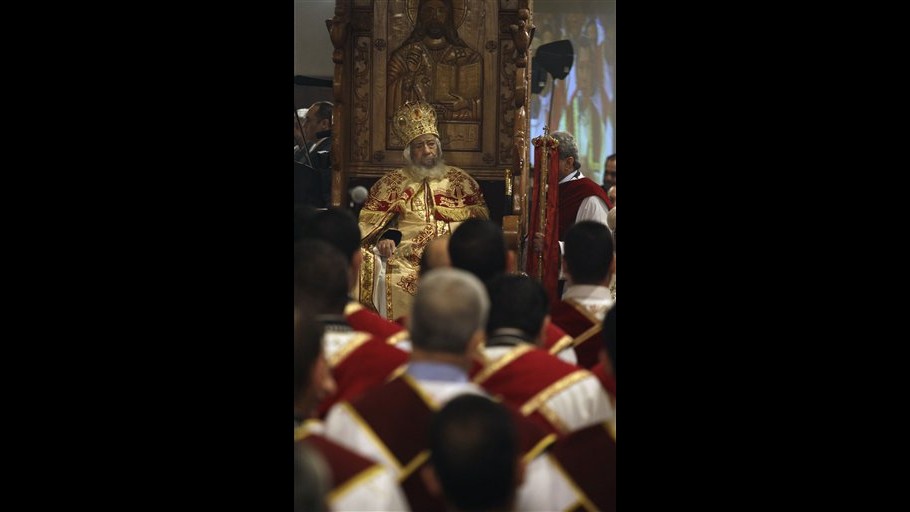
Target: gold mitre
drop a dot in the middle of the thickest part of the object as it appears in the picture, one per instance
(413, 120)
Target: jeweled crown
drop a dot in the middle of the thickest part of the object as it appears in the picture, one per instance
(413, 120)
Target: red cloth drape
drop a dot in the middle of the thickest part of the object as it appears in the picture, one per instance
(550, 228)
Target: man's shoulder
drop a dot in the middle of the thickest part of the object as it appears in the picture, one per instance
(586, 184)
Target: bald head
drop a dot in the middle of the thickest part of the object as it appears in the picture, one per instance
(435, 255)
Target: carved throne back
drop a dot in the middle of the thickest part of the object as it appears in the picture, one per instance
(468, 58)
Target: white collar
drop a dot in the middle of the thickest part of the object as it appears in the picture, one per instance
(575, 175)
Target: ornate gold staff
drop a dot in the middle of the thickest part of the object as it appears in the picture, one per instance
(545, 141)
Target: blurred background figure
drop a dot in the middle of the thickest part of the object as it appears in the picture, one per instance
(311, 480)
(300, 149)
(479, 246)
(474, 458)
(558, 396)
(357, 360)
(609, 182)
(328, 476)
(312, 154)
(589, 267)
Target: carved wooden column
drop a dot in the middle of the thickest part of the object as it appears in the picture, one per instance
(515, 223)
(338, 32)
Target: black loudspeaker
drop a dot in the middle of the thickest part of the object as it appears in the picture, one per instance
(538, 77)
(556, 57)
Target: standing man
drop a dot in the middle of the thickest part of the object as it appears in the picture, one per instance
(589, 267)
(316, 137)
(579, 197)
(407, 208)
(610, 179)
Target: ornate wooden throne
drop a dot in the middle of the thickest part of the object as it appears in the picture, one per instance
(477, 79)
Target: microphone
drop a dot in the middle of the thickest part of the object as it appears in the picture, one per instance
(359, 194)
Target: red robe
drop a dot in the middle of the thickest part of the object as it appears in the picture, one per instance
(344, 464)
(363, 319)
(400, 419)
(571, 194)
(556, 339)
(367, 364)
(588, 457)
(607, 381)
(507, 378)
(583, 327)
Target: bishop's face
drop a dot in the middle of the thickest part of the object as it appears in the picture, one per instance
(425, 151)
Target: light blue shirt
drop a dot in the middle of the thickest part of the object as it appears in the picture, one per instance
(426, 370)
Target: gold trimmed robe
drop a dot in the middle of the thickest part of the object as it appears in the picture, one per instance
(422, 208)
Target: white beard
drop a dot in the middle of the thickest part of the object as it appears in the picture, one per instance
(418, 172)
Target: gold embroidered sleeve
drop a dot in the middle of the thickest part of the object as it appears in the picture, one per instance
(387, 196)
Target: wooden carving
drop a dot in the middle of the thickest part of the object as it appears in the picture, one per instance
(467, 58)
(360, 110)
(338, 32)
(434, 64)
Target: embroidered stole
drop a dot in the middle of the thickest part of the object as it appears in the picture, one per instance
(347, 467)
(571, 194)
(588, 456)
(583, 327)
(508, 377)
(365, 362)
(556, 339)
(366, 320)
(399, 416)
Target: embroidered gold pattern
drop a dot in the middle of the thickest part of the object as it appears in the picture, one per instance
(422, 210)
(408, 282)
(390, 269)
(419, 244)
(366, 279)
